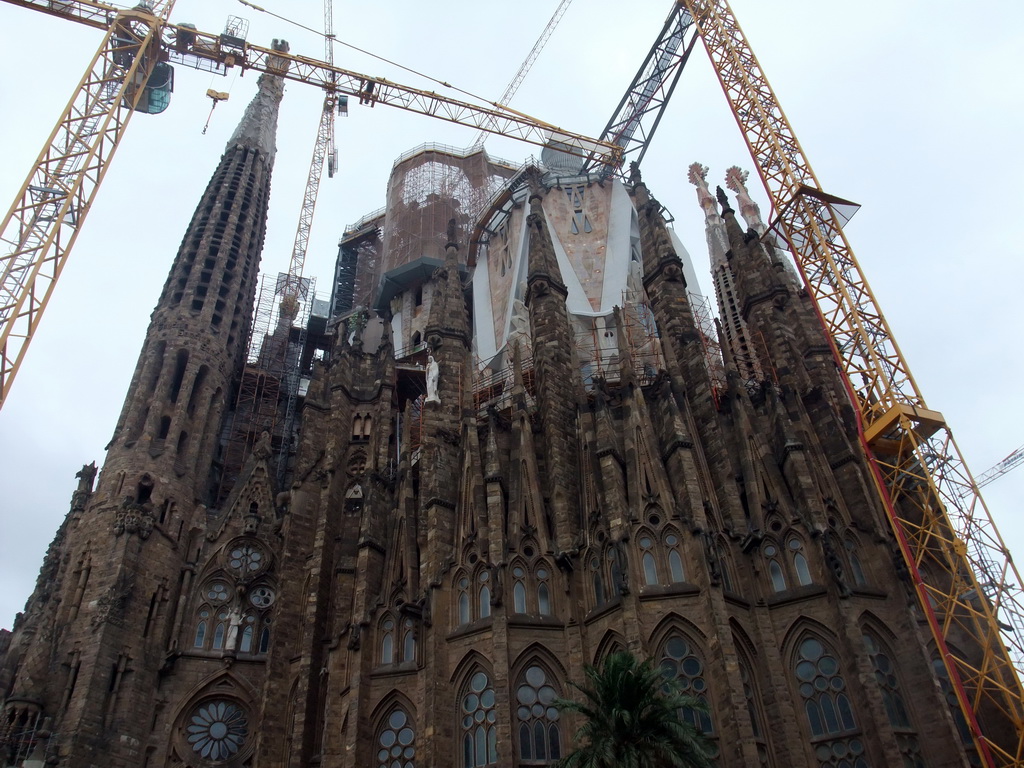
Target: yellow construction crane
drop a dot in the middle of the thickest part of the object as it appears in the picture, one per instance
(967, 584)
(131, 72)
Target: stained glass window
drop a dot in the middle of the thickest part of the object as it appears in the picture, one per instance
(543, 594)
(479, 734)
(803, 573)
(537, 718)
(519, 590)
(246, 559)
(396, 741)
(675, 561)
(827, 707)
(387, 642)
(485, 595)
(647, 558)
(680, 662)
(774, 569)
(217, 729)
(464, 617)
(895, 706)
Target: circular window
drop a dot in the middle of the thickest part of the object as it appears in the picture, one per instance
(217, 730)
(262, 597)
(246, 559)
(217, 591)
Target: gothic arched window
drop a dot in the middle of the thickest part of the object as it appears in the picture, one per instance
(463, 601)
(895, 706)
(478, 718)
(485, 595)
(680, 662)
(650, 565)
(856, 570)
(800, 568)
(771, 554)
(387, 641)
(539, 737)
(200, 636)
(946, 686)
(675, 560)
(519, 589)
(827, 708)
(396, 741)
(754, 712)
(245, 642)
(264, 645)
(543, 591)
(220, 629)
(408, 641)
(598, 580)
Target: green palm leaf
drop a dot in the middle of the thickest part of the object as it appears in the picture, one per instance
(631, 719)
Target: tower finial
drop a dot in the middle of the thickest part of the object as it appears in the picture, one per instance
(258, 126)
(736, 180)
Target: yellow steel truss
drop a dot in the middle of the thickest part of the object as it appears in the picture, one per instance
(967, 584)
(39, 230)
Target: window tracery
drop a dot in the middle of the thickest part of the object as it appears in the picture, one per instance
(539, 736)
(800, 567)
(946, 686)
(681, 663)
(478, 722)
(531, 590)
(856, 569)
(464, 614)
(892, 699)
(835, 737)
(217, 729)
(754, 712)
(396, 741)
(775, 572)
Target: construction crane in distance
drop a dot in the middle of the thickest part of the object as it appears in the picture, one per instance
(967, 585)
(1000, 468)
(131, 72)
(527, 64)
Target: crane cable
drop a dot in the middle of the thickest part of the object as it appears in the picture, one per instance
(375, 56)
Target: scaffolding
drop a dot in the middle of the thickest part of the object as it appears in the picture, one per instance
(356, 273)
(269, 386)
(429, 186)
(643, 342)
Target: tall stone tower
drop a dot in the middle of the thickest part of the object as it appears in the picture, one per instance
(516, 457)
(83, 673)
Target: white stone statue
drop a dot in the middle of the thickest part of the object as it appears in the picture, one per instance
(234, 622)
(432, 373)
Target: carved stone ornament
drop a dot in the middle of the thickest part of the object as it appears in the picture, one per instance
(135, 518)
(110, 606)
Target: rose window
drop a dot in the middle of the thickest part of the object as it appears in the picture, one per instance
(217, 730)
(262, 597)
(245, 558)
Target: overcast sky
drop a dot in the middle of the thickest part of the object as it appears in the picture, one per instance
(904, 107)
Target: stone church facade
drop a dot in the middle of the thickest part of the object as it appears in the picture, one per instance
(448, 552)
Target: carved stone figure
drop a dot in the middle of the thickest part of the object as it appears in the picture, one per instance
(432, 374)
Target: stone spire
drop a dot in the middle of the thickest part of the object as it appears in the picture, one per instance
(736, 180)
(714, 227)
(124, 541)
(735, 329)
(258, 127)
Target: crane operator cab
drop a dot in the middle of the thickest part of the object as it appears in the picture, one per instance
(158, 86)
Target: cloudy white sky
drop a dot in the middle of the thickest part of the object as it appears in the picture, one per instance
(908, 108)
